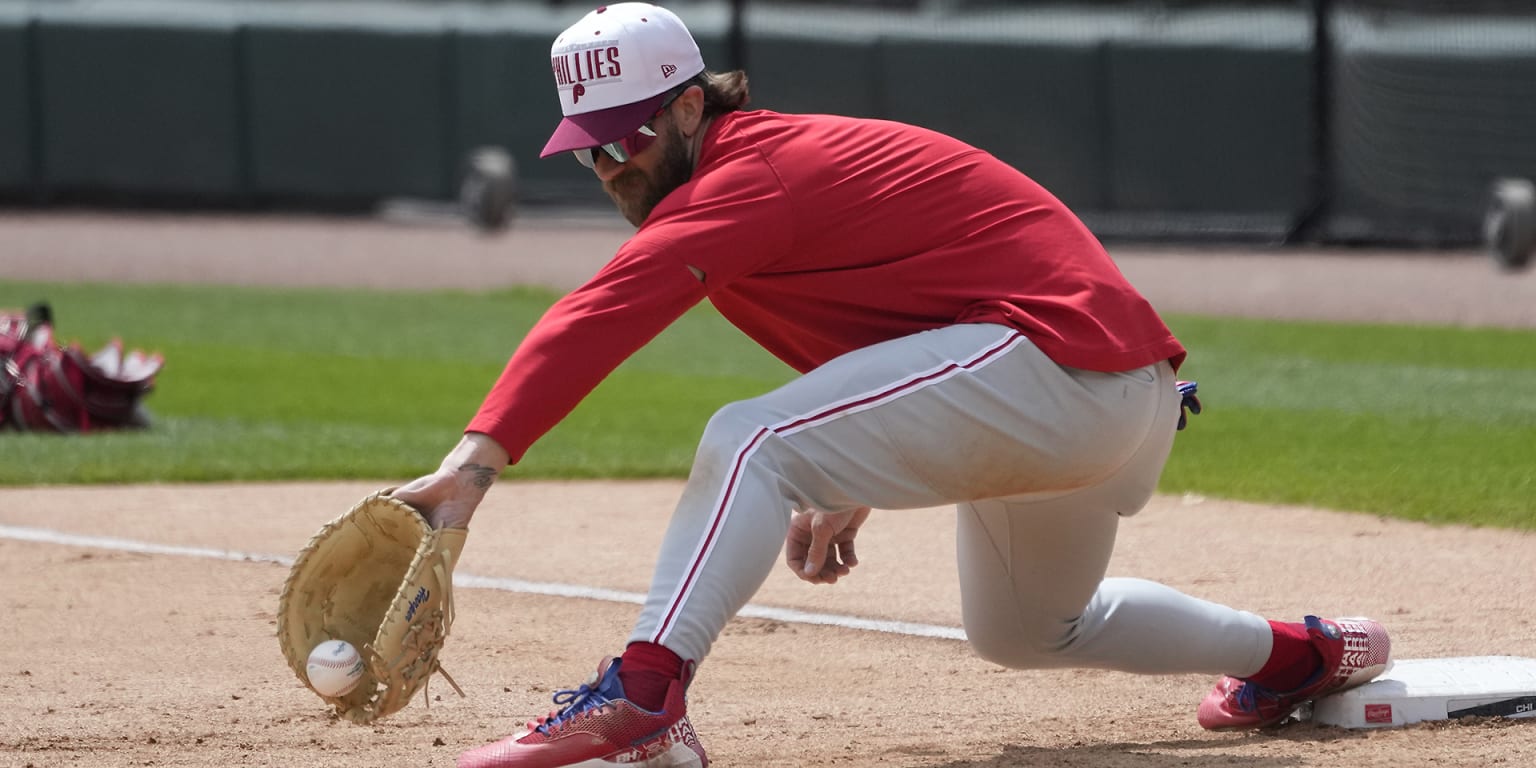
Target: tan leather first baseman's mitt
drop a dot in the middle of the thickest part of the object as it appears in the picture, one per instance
(381, 578)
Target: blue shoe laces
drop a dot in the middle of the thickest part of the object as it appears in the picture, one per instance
(574, 702)
(1248, 697)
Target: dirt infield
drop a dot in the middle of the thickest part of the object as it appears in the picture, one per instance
(142, 618)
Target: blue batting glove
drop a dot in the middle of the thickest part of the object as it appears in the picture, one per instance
(1187, 401)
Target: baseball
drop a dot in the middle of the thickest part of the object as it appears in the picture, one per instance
(334, 668)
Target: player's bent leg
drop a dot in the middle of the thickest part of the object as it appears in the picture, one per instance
(1034, 597)
(1021, 603)
(1032, 573)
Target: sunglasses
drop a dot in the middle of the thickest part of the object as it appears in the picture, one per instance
(629, 146)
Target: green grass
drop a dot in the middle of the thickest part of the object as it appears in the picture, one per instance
(272, 385)
(1433, 424)
(261, 384)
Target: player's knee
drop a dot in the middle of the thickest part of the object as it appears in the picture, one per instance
(730, 432)
(1021, 645)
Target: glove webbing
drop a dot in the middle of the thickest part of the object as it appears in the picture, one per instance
(438, 623)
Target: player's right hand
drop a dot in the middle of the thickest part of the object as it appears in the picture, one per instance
(819, 545)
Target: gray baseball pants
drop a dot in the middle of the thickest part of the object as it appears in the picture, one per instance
(1042, 461)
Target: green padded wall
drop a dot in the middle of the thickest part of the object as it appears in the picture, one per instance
(139, 106)
(1140, 115)
(1023, 82)
(505, 100)
(805, 59)
(15, 103)
(1211, 111)
(1033, 104)
(790, 74)
(343, 113)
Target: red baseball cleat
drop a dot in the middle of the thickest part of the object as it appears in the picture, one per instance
(1354, 652)
(598, 728)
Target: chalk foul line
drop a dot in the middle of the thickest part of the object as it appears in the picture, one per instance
(575, 591)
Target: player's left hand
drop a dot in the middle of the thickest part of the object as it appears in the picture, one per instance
(819, 545)
(446, 498)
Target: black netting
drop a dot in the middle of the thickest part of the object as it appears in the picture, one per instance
(1431, 102)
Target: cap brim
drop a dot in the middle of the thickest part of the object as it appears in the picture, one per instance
(605, 126)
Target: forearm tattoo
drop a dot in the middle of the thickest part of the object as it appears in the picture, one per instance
(479, 475)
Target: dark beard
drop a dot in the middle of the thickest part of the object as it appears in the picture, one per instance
(637, 194)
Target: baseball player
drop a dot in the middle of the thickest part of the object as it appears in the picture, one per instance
(963, 340)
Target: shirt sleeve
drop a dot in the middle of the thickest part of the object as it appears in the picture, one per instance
(580, 340)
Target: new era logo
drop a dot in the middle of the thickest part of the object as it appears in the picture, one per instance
(667, 70)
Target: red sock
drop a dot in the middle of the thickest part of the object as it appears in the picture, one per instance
(648, 670)
(1292, 661)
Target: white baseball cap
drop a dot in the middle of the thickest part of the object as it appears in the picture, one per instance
(613, 70)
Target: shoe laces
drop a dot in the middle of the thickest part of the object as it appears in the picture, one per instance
(1248, 695)
(573, 704)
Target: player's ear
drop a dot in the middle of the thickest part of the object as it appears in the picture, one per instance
(689, 110)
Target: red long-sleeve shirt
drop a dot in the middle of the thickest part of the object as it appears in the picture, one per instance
(818, 235)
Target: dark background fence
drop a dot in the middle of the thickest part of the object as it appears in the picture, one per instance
(1358, 121)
